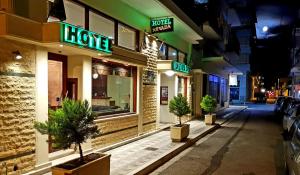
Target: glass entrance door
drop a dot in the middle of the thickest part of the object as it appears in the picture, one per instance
(57, 84)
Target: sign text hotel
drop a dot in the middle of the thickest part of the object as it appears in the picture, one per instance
(84, 38)
(162, 25)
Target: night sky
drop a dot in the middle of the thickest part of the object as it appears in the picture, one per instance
(271, 58)
(270, 55)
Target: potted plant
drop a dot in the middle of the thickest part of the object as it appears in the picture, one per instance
(209, 104)
(179, 107)
(70, 125)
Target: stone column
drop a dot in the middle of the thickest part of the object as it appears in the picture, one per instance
(42, 158)
(197, 89)
(87, 90)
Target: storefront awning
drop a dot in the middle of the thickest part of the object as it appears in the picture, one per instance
(219, 66)
(127, 56)
(48, 35)
(170, 65)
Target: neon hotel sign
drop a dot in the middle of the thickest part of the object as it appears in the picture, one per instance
(180, 67)
(84, 38)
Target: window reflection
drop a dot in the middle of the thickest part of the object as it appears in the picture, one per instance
(112, 88)
(172, 54)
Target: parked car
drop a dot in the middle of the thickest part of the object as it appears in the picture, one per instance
(284, 105)
(292, 148)
(291, 103)
(290, 116)
(278, 103)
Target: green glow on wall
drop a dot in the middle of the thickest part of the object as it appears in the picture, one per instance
(180, 67)
(84, 38)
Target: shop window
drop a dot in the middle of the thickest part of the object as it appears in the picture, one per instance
(126, 37)
(182, 58)
(223, 90)
(172, 54)
(75, 14)
(113, 88)
(101, 25)
(214, 87)
(234, 93)
(162, 54)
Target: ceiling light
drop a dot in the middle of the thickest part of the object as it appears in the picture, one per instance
(61, 45)
(169, 73)
(17, 54)
(265, 28)
(99, 54)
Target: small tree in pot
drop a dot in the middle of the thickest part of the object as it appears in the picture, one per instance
(179, 107)
(74, 124)
(209, 104)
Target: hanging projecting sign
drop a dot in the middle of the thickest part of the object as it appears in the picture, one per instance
(180, 67)
(233, 80)
(162, 25)
(84, 38)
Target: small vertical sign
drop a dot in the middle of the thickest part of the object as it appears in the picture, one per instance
(164, 95)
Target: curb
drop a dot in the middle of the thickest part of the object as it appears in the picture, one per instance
(155, 163)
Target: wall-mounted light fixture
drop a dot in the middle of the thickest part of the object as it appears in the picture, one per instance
(17, 55)
(95, 74)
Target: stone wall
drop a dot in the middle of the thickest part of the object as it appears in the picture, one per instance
(114, 130)
(17, 107)
(149, 108)
(150, 49)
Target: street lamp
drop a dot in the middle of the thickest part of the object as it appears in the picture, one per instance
(265, 29)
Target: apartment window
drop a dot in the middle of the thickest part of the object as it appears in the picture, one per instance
(75, 14)
(126, 37)
(101, 25)
(113, 88)
(172, 54)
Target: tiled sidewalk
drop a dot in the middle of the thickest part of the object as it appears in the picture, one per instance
(141, 155)
(130, 157)
(136, 156)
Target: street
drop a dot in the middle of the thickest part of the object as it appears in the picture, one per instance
(249, 144)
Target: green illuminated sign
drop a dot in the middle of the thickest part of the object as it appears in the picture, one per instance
(84, 38)
(180, 67)
(162, 25)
